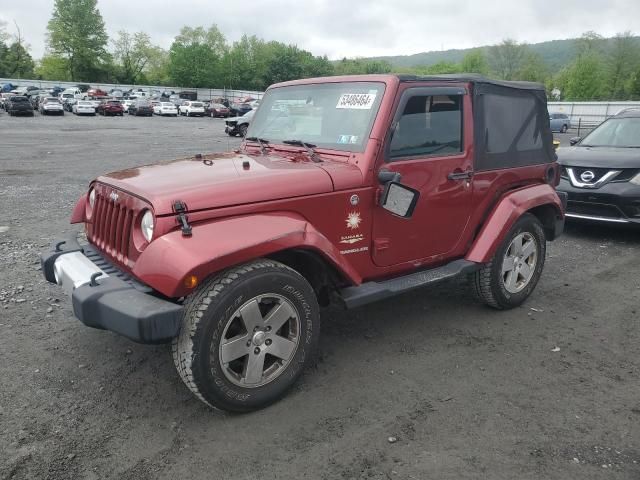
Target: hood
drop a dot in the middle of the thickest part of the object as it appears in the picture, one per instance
(225, 179)
(599, 157)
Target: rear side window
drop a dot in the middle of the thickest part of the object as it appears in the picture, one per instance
(429, 125)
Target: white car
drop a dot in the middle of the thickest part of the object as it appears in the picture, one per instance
(75, 92)
(84, 107)
(165, 108)
(51, 105)
(192, 109)
(126, 104)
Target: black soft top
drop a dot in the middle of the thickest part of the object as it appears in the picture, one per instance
(472, 78)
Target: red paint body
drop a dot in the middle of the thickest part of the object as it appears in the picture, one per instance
(247, 205)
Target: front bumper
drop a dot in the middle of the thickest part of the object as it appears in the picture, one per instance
(615, 202)
(104, 297)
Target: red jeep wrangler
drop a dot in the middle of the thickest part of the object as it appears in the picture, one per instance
(348, 189)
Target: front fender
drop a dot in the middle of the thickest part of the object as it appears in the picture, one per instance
(77, 216)
(505, 213)
(220, 244)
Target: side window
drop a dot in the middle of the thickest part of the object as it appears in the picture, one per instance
(429, 125)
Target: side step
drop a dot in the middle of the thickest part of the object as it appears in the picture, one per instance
(373, 291)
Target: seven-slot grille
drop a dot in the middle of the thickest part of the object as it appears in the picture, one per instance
(112, 224)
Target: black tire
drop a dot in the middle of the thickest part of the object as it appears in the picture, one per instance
(211, 310)
(489, 282)
(564, 129)
(243, 130)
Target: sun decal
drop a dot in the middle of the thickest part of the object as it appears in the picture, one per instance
(353, 220)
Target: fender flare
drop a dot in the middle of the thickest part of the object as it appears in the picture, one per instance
(220, 244)
(77, 216)
(511, 206)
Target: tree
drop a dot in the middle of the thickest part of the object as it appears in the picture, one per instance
(76, 32)
(361, 66)
(195, 57)
(15, 60)
(506, 58)
(157, 69)
(635, 85)
(475, 62)
(131, 53)
(623, 60)
(585, 78)
(51, 67)
(533, 68)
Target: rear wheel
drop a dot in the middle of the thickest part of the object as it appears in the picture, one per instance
(513, 273)
(247, 335)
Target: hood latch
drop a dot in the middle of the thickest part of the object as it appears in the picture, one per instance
(180, 208)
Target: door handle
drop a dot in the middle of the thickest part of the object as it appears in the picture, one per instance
(459, 175)
(386, 176)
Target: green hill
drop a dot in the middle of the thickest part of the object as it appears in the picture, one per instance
(555, 53)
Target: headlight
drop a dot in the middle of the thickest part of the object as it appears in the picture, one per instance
(636, 180)
(146, 225)
(92, 198)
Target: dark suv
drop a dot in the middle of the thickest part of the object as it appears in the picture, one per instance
(19, 105)
(141, 108)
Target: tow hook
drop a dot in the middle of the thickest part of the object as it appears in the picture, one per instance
(180, 208)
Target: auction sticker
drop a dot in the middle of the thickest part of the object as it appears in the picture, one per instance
(359, 101)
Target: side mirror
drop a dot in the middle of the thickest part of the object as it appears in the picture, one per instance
(399, 199)
(574, 140)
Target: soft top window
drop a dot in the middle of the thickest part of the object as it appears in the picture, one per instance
(511, 127)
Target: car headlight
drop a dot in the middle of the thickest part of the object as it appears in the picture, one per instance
(92, 198)
(146, 225)
(636, 180)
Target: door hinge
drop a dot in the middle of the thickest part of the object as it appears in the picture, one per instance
(180, 208)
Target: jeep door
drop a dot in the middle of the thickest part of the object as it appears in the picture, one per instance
(428, 149)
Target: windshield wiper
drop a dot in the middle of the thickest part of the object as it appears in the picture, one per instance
(309, 147)
(261, 141)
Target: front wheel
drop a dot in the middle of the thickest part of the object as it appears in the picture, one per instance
(512, 274)
(243, 130)
(247, 335)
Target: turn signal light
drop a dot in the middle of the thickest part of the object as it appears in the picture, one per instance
(191, 281)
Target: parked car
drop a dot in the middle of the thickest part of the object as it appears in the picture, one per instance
(83, 87)
(75, 92)
(560, 122)
(126, 104)
(55, 91)
(19, 105)
(141, 108)
(26, 91)
(116, 93)
(50, 105)
(192, 109)
(165, 108)
(601, 172)
(239, 109)
(336, 209)
(84, 107)
(110, 108)
(68, 100)
(218, 110)
(176, 100)
(4, 98)
(239, 125)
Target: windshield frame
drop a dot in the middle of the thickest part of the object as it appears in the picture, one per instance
(585, 143)
(265, 103)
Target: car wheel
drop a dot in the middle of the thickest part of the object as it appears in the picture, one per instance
(247, 335)
(243, 130)
(564, 129)
(513, 273)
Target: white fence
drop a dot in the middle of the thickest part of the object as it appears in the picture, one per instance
(203, 93)
(589, 114)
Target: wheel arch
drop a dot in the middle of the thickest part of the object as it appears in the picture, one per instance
(540, 200)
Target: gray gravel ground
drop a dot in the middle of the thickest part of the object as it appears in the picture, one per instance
(546, 391)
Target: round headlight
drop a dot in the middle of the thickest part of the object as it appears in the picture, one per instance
(146, 225)
(92, 198)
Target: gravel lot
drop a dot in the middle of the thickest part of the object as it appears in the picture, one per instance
(549, 390)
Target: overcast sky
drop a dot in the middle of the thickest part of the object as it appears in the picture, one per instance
(351, 28)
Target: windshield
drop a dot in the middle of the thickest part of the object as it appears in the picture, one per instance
(615, 132)
(329, 115)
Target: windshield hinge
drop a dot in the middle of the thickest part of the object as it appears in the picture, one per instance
(180, 208)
